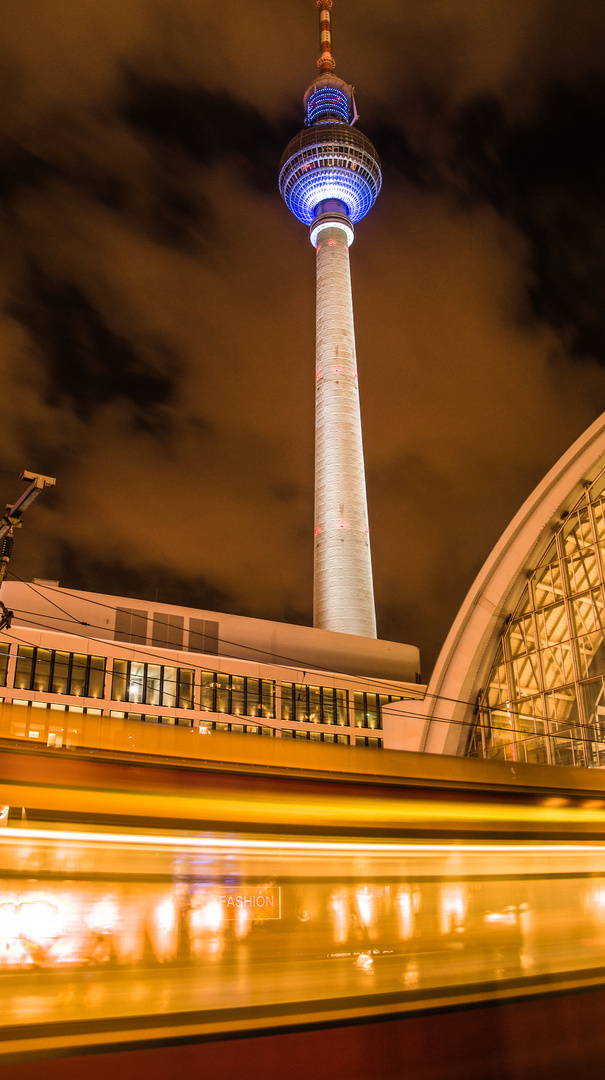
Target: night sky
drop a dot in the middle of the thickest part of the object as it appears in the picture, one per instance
(157, 327)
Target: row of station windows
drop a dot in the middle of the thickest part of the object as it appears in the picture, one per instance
(37, 725)
(138, 683)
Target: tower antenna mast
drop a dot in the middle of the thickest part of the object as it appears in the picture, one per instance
(326, 61)
(329, 178)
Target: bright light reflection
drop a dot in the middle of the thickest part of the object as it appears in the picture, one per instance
(245, 844)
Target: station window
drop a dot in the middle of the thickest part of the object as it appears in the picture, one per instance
(59, 672)
(237, 695)
(314, 704)
(152, 684)
(368, 709)
(4, 654)
(314, 736)
(364, 740)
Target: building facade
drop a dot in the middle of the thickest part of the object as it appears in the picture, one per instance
(106, 656)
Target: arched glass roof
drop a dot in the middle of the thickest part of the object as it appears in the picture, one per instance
(544, 699)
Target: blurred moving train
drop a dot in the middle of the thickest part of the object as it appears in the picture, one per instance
(312, 878)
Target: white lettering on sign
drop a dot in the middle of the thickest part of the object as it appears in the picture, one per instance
(261, 904)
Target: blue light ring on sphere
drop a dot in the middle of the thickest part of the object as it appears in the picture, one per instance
(331, 161)
(327, 101)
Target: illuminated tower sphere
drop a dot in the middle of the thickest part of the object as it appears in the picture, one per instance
(329, 178)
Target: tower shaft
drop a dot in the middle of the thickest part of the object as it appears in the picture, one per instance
(343, 594)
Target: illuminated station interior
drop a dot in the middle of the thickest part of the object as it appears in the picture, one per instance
(253, 848)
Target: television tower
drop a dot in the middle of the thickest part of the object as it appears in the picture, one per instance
(329, 178)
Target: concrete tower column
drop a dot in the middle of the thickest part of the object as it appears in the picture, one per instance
(343, 593)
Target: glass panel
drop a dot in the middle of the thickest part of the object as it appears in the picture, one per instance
(535, 751)
(208, 687)
(525, 603)
(577, 531)
(287, 711)
(153, 684)
(185, 689)
(238, 686)
(497, 690)
(4, 654)
(222, 693)
(328, 710)
(252, 697)
(552, 625)
(557, 665)
(42, 669)
(96, 676)
(521, 637)
(582, 572)
(371, 717)
(561, 708)
(591, 654)
(23, 673)
(525, 676)
(118, 681)
(314, 715)
(342, 718)
(563, 751)
(79, 670)
(587, 612)
(300, 701)
(359, 709)
(593, 702)
(503, 724)
(60, 678)
(547, 585)
(268, 697)
(136, 682)
(169, 688)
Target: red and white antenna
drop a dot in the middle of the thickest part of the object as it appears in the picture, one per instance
(326, 61)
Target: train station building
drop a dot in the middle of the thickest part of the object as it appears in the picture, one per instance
(93, 655)
(521, 676)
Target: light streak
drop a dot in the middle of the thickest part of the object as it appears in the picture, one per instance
(377, 847)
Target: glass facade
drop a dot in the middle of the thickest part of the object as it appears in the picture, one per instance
(314, 704)
(368, 709)
(238, 695)
(161, 686)
(152, 684)
(314, 736)
(56, 672)
(4, 655)
(545, 695)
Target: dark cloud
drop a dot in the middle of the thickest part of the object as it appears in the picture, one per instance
(149, 583)
(546, 174)
(207, 125)
(86, 362)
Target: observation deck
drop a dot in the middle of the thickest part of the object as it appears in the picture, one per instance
(329, 161)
